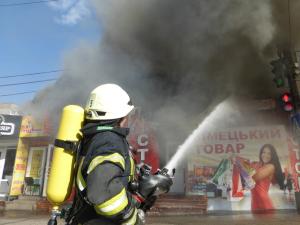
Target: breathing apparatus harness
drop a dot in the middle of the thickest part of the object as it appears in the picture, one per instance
(70, 146)
(69, 213)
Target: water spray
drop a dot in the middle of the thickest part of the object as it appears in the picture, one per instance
(183, 149)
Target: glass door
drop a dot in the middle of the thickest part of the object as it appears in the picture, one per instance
(35, 169)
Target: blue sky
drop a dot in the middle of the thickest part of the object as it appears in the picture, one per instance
(34, 38)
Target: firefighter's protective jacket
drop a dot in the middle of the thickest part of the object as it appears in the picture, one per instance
(103, 176)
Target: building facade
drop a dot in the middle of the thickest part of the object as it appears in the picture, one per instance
(32, 159)
(9, 134)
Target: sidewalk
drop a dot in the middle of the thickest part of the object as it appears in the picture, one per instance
(220, 218)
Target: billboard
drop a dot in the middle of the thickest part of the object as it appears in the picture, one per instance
(236, 169)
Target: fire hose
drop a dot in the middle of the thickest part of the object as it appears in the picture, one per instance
(149, 186)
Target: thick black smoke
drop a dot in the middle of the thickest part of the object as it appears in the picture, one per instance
(177, 58)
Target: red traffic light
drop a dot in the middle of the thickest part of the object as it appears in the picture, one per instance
(286, 97)
(287, 104)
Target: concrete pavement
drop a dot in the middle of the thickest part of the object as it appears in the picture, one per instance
(280, 218)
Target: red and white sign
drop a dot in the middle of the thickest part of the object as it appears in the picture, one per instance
(142, 139)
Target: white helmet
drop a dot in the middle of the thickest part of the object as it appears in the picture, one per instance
(106, 102)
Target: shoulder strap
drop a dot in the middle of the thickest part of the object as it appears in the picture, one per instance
(65, 144)
(74, 209)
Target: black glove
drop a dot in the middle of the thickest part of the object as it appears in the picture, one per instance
(156, 184)
(150, 186)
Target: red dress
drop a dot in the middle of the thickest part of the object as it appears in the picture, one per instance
(260, 199)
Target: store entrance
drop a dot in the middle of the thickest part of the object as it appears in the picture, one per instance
(35, 171)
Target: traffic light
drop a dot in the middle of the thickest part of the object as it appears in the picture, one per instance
(286, 101)
(296, 69)
(279, 71)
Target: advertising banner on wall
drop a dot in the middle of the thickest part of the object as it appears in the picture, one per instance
(245, 168)
(19, 169)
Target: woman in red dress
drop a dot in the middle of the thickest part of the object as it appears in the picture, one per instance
(267, 171)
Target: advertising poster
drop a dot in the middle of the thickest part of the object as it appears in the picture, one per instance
(232, 167)
(35, 163)
(19, 169)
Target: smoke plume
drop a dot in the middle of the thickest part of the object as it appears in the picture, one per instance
(176, 58)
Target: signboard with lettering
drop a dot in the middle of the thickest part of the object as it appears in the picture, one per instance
(225, 165)
(9, 126)
(142, 138)
(34, 128)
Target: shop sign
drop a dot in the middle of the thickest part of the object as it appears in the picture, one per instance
(33, 128)
(9, 125)
(6, 128)
(143, 140)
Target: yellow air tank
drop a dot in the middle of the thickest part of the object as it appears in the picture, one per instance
(62, 166)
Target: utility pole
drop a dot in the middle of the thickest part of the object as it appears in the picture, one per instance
(290, 60)
(292, 70)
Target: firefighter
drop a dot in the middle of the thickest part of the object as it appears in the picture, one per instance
(106, 166)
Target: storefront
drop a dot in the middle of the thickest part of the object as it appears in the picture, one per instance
(9, 132)
(32, 158)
